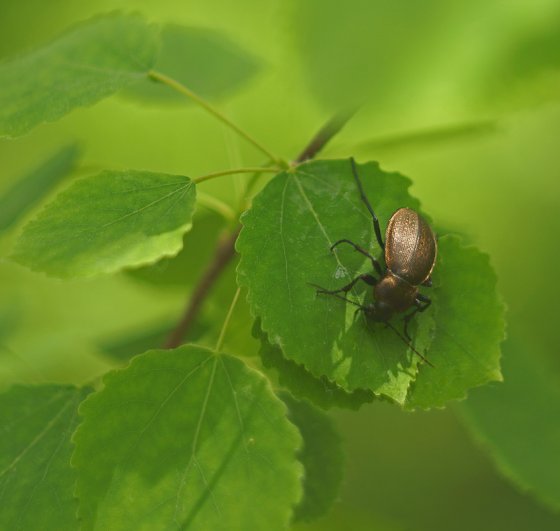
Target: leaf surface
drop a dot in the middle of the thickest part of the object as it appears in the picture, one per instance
(36, 480)
(109, 221)
(86, 64)
(193, 440)
(205, 60)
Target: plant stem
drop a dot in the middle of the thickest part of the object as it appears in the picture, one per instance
(324, 135)
(222, 335)
(210, 202)
(235, 171)
(225, 251)
(179, 87)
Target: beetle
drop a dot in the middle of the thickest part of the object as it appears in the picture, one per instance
(410, 250)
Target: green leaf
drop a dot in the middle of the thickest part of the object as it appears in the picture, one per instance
(34, 186)
(106, 222)
(517, 422)
(284, 246)
(321, 456)
(193, 440)
(470, 326)
(36, 480)
(303, 385)
(206, 61)
(88, 63)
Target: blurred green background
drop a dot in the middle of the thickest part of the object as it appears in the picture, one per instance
(464, 98)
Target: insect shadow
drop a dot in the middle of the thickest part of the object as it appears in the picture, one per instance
(410, 251)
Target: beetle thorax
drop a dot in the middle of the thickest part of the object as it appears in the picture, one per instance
(392, 295)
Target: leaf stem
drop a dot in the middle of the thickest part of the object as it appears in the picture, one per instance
(179, 87)
(221, 337)
(235, 171)
(212, 203)
(225, 251)
(324, 135)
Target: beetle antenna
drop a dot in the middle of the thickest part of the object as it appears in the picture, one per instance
(363, 195)
(409, 344)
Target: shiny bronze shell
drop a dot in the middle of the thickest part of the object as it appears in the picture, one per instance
(410, 246)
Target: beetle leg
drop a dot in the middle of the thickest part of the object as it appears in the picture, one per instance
(422, 304)
(374, 261)
(427, 282)
(376, 226)
(426, 300)
(368, 279)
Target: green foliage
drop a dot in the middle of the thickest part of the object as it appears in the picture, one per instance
(36, 481)
(195, 439)
(34, 186)
(409, 51)
(86, 64)
(198, 438)
(321, 456)
(470, 326)
(517, 422)
(303, 385)
(106, 222)
(322, 333)
(204, 60)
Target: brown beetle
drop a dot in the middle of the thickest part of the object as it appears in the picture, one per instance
(410, 256)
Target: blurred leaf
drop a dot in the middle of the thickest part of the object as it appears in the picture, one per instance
(89, 62)
(204, 60)
(322, 458)
(109, 221)
(127, 345)
(284, 246)
(187, 266)
(27, 191)
(528, 70)
(302, 384)
(36, 480)
(420, 61)
(470, 326)
(195, 440)
(517, 423)
(435, 137)
(366, 49)
(10, 318)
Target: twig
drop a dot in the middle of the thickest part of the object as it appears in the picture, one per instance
(225, 251)
(223, 254)
(222, 335)
(179, 87)
(323, 136)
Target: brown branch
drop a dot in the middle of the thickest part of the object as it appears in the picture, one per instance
(225, 250)
(324, 135)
